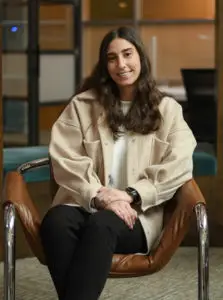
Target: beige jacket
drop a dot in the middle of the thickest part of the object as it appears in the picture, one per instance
(158, 164)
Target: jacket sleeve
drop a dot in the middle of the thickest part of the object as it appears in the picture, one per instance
(72, 168)
(159, 182)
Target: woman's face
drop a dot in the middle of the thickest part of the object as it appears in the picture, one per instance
(123, 62)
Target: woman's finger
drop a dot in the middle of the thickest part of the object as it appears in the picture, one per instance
(132, 215)
(122, 214)
(128, 217)
(122, 210)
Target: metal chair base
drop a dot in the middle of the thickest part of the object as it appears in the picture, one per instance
(10, 239)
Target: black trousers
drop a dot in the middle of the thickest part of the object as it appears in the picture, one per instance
(79, 247)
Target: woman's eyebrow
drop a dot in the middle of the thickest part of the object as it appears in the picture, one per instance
(124, 50)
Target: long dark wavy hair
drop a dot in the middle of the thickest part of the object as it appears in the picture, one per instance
(144, 116)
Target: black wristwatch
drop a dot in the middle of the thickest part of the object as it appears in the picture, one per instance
(136, 199)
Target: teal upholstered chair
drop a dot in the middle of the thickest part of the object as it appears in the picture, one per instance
(205, 164)
(15, 157)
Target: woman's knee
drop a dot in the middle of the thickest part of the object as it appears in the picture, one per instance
(54, 220)
(105, 219)
(59, 220)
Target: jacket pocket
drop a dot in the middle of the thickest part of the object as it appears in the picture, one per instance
(93, 150)
(159, 151)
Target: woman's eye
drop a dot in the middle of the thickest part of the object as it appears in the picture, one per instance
(128, 54)
(111, 58)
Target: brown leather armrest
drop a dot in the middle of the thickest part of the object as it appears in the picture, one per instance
(15, 191)
(178, 214)
(177, 218)
(178, 222)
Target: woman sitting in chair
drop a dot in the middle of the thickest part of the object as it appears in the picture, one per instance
(119, 151)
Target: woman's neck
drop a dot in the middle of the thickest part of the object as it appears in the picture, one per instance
(127, 93)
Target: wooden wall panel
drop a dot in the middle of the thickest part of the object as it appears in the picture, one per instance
(178, 46)
(56, 37)
(110, 10)
(48, 115)
(54, 12)
(175, 9)
(86, 10)
(56, 27)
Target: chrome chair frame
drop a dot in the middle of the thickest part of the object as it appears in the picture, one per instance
(10, 240)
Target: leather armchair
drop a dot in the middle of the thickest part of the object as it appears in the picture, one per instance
(187, 203)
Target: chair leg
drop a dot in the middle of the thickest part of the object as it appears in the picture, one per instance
(9, 259)
(203, 252)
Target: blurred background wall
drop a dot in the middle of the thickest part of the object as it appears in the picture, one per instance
(176, 34)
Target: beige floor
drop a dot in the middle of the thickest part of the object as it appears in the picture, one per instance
(178, 281)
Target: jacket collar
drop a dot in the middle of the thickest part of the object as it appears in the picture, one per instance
(87, 95)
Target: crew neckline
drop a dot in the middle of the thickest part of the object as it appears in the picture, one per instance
(126, 102)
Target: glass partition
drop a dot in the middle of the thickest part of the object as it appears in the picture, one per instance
(59, 51)
(14, 72)
(57, 77)
(14, 68)
(15, 25)
(41, 65)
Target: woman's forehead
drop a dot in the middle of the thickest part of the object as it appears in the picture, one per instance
(119, 45)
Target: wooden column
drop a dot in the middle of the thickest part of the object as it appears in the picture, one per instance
(1, 116)
(211, 186)
(217, 209)
(219, 67)
(1, 147)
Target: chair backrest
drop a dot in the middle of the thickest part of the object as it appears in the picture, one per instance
(200, 86)
(53, 185)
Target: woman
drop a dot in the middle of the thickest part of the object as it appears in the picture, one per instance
(119, 151)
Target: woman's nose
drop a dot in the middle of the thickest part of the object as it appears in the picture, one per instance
(121, 62)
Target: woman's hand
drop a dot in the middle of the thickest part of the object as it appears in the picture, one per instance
(124, 210)
(106, 196)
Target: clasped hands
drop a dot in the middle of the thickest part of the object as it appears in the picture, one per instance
(119, 202)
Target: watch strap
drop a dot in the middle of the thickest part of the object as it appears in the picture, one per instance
(136, 199)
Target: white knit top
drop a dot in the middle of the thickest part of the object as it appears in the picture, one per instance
(119, 166)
